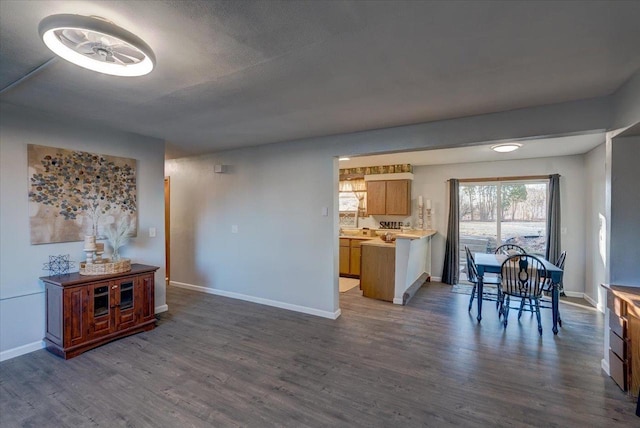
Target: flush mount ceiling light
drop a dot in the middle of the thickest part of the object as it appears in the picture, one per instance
(506, 147)
(97, 44)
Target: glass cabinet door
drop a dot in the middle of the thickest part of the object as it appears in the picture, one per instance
(126, 295)
(101, 301)
(100, 310)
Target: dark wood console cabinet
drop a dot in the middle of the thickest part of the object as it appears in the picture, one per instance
(84, 312)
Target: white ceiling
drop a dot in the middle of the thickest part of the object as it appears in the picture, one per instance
(240, 73)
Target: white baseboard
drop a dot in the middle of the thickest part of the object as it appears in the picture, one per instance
(574, 294)
(586, 297)
(594, 303)
(436, 279)
(161, 308)
(259, 300)
(21, 350)
(605, 366)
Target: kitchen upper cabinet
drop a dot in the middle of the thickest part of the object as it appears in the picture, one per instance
(389, 197)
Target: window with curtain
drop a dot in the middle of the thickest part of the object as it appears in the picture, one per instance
(503, 212)
(353, 196)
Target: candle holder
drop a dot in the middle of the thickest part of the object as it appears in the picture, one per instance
(420, 217)
(429, 218)
(90, 255)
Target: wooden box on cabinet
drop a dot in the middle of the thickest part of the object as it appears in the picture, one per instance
(84, 312)
(389, 197)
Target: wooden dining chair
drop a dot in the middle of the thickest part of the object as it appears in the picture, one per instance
(510, 249)
(544, 303)
(560, 263)
(523, 276)
(472, 277)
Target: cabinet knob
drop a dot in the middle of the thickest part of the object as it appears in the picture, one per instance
(115, 286)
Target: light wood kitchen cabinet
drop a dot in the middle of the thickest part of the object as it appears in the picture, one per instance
(376, 197)
(389, 197)
(354, 259)
(377, 278)
(345, 256)
(350, 257)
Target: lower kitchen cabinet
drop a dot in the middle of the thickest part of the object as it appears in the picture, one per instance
(350, 257)
(377, 279)
(84, 312)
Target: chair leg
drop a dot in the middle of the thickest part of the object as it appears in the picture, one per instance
(530, 305)
(505, 309)
(521, 308)
(559, 319)
(538, 316)
(473, 293)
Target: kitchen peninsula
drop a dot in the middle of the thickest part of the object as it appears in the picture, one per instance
(393, 271)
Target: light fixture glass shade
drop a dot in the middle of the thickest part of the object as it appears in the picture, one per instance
(506, 147)
(97, 45)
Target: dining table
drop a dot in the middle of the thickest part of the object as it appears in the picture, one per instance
(492, 263)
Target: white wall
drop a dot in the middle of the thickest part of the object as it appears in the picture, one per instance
(282, 252)
(595, 226)
(22, 310)
(285, 252)
(430, 182)
(625, 211)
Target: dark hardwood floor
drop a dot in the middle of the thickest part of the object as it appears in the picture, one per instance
(215, 361)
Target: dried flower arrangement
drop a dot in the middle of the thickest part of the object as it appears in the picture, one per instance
(118, 235)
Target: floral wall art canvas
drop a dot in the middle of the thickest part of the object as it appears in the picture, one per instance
(74, 193)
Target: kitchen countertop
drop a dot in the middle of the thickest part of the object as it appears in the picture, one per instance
(416, 234)
(375, 240)
(379, 243)
(361, 237)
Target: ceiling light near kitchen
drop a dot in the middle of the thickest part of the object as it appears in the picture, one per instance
(506, 147)
(97, 44)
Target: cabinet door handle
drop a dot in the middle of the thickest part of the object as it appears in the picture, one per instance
(114, 287)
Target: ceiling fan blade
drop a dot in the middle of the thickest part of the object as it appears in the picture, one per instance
(126, 58)
(74, 36)
(128, 51)
(85, 48)
(115, 57)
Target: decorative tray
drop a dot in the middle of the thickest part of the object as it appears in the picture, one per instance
(106, 267)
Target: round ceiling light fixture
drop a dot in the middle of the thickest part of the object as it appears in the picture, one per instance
(506, 147)
(97, 44)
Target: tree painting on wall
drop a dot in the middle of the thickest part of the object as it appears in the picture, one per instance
(74, 193)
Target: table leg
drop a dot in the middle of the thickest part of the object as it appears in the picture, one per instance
(480, 291)
(555, 296)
